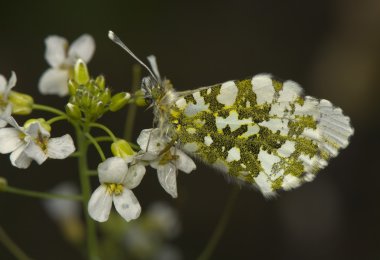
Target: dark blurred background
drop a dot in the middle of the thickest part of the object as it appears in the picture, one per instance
(332, 48)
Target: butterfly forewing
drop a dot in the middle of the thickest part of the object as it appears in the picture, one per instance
(261, 131)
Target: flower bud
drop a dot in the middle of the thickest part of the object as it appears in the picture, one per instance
(81, 74)
(86, 100)
(98, 109)
(3, 184)
(106, 96)
(119, 100)
(121, 148)
(42, 122)
(73, 86)
(140, 98)
(73, 111)
(21, 103)
(101, 82)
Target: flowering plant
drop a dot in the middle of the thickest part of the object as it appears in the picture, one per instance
(120, 169)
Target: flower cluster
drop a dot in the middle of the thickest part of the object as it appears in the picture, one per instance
(117, 179)
(89, 99)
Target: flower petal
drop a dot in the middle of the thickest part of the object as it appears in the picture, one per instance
(112, 170)
(60, 147)
(36, 130)
(127, 205)
(167, 177)
(134, 176)
(9, 140)
(3, 84)
(11, 83)
(184, 162)
(54, 82)
(100, 204)
(3, 123)
(83, 48)
(153, 138)
(55, 53)
(34, 151)
(19, 158)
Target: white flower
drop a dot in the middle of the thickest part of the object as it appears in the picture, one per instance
(116, 183)
(152, 144)
(5, 89)
(62, 59)
(164, 218)
(32, 142)
(67, 213)
(62, 210)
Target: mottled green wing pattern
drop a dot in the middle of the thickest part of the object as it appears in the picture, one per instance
(261, 131)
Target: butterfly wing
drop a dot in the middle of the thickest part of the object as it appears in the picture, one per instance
(260, 131)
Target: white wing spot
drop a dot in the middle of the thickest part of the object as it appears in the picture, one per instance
(263, 88)
(232, 120)
(251, 130)
(228, 93)
(287, 148)
(208, 140)
(233, 154)
(191, 130)
(277, 124)
(190, 147)
(200, 105)
(290, 92)
(181, 103)
(267, 161)
(290, 182)
(264, 184)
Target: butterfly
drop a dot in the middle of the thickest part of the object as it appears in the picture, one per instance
(260, 131)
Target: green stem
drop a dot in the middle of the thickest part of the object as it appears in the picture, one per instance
(75, 154)
(11, 246)
(56, 119)
(48, 109)
(92, 173)
(131, 115)
(97, 146)
(135, 146)
(92, 251)
(40, 195)
(103, 139)
(218, 232)
(105, 129)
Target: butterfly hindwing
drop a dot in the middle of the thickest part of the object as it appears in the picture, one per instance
(261, 131)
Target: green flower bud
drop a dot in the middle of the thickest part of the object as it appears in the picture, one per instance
(21, 103)
(81, 74)
(140, 99)
(3, 184)
(73, 111)
(106, 96)
(42, 122)
(119, 100)
(101, 82)
(121, 148)
(73, 86)
(86, 100)
(98, 109)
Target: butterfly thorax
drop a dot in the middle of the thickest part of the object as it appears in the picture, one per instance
(163, 97)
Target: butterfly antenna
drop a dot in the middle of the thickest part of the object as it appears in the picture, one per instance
(117, 40)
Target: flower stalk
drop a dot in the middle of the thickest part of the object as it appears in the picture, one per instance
(91, 238)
